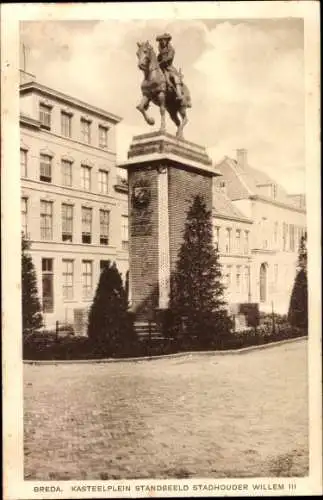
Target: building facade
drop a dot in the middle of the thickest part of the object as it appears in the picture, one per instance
(231, 230)
(74, 211)
(74, 207)
(278, 223)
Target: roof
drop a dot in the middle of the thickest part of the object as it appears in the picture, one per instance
(223, 207)
(243, 182)
(236, 181)
(28, 87)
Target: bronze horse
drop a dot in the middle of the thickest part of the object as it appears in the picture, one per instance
(154, 89)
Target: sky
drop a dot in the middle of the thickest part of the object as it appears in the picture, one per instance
(246, 79)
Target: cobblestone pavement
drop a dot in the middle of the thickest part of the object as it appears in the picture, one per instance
(197, 416)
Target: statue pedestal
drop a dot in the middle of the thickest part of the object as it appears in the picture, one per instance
(164, 174)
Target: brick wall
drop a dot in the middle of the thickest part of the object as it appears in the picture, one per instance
(183, 186)
(143, 248)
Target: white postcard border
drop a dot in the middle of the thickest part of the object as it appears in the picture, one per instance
(14, 485)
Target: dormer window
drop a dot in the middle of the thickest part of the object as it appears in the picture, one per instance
(103, 136)
(45, 115)
(66, 124)
(223, 186)
(86, 130)
(274, 191)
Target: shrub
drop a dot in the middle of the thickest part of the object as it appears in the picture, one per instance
(109, 328)
(32, 318)
(298, 307)
(47, 346)
(196, 298)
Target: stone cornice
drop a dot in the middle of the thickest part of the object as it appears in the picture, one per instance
(264, 250)
(167, 149)
(218, 215)
(153, 158)
(29, 121)
(68, 100)
(159, 143)
(121, 188)
(257, 197)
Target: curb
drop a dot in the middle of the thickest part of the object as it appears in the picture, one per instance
(244, 350)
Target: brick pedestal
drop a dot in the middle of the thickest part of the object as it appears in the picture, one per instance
(164, 175)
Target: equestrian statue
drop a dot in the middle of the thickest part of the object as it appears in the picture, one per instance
(162, 84)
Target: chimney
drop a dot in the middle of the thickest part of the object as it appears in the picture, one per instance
(242, 157)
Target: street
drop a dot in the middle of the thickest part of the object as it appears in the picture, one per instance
(194, 416)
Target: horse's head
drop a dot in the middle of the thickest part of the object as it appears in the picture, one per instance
(144, 53)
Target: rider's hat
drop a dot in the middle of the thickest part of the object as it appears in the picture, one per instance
(165, 36)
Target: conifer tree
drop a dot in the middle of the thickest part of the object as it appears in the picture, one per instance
(197, 288)
(298, 307)
(32, 318)
(108, 326)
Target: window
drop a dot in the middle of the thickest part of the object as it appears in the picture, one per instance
(103, 136)
(103, 264)
(103, 181)
(45, 116)
(86, 177)
(23, 163)
(104, 227)
(246, 279)
(124, 232)
(228, 240)
(297, 235)
(285, 232)
(86, 131)
(48, 288)
(264, 232)
(68, 279)
(87, 272)
(46, 220)
(67, 222)
(238, 279)
(24, 208)
(238, 240)
(86, 225)
(66, 173)
(66, 124)
(223, 186)
(292, 237)
(45, 168)
(276, 274)
(217, 237)
(263, 283)
(275, 232)
(228, 277)
(246, 243)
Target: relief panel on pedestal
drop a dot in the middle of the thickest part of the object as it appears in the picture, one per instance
(141, 212)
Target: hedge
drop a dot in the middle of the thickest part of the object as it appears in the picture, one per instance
(46, 346)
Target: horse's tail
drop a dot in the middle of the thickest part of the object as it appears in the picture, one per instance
(187, 96)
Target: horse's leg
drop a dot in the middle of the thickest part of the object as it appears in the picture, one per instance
(162, 108)
(182, 112)
(174, 116)
(142, 107)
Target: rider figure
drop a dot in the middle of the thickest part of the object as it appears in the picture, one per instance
(165, 59)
